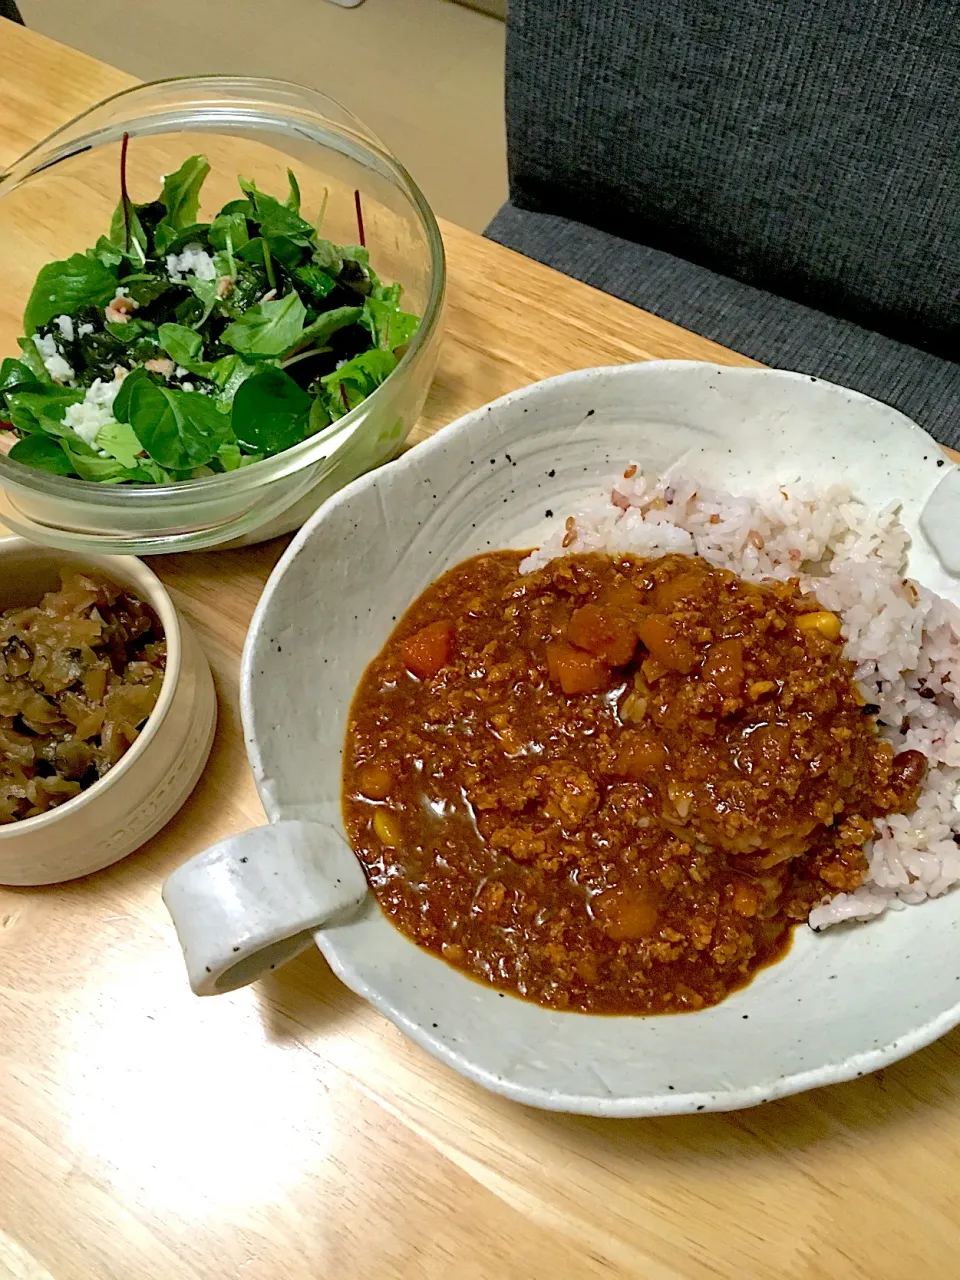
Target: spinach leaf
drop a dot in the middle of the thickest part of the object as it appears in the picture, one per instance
(37, 410)
(181, 193)
(206, 291)
(319, 417)
(228, 229)
(168, 239)
(179, 429)
(15, 374)
(293, 199)
(119, 440)
(314, 281)
(32, 358)
(228, 373)
(107, 252)
(138, 246)
(229, 456)
(350, 385)
(121, 403)
(62, 288)
(42, 452)
(389, 293)
(129, 331)
(268, 328)
(389, 327)
(238, 206)
(356, 253)
(145, 289)
(286, 251)
(325, 326)
(276, 219)
(91, 466)
(150, 472)
(180, 343)
(270, 412)
(327, 256)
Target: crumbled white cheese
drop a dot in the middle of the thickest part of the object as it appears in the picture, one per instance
(84, 329)
(65, 325)
(53, 361)
(193, 261)
(181, 372)
(45, 345)
(122, 291)
(187, 386)
(94, 411)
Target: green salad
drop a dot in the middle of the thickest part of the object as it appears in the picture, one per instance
(176, 348)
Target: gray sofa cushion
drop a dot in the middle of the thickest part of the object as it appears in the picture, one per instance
(809, 150)
(773, 330)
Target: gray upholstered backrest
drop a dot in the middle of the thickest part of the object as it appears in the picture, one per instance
(810, 147)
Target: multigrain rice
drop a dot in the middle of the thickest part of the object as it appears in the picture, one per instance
(903, 639)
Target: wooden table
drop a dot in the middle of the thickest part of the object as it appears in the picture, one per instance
(288, 1130)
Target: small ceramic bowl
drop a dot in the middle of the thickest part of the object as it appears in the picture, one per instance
(149, 784)
(838, 1005)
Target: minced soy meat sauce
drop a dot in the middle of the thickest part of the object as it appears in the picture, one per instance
(613, 785)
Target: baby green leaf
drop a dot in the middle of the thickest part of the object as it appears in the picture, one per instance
(206, 291)
(169, 239)
(325, 325)
(268, 328)
(232, 225)
(293, 199)
(181, 192)
(276, 219)
(327, 256)
(180, 343)
(314, 281)
(130, 330)
(108, 253)
(62, 288)
(136, 250)
(270, 412)
(228, 373)
(121, 401)
(15, 374)
(43, 453)
(179, 429)
(93, 467)
(356, 379)
(34, 361)
(119, 440)
(230, 456)
(36, 410)
(389, 327)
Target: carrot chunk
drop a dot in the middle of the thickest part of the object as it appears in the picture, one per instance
(626, 913)
(667, 645)
(723, 667)
(640, 756)
(427, 650)
(576, 671)
(606, 633)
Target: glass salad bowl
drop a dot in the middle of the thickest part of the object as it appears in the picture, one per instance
(59, 198)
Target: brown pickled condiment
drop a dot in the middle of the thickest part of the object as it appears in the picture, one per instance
(613, 785)
(79, 674)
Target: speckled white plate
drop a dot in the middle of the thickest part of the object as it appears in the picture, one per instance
(839, 1005)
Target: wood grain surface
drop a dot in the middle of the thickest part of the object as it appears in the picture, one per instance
(288, 1130)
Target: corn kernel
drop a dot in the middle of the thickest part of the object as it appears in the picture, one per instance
(759, 687)
(387, 828)
(827, 623)
(375, 781)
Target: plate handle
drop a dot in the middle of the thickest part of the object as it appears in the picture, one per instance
(253, 902)
(940, 520)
